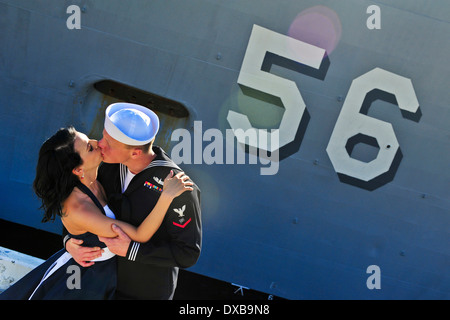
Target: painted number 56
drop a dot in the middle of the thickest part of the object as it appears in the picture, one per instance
(351, 123)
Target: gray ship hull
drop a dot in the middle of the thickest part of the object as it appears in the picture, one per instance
(317, 228)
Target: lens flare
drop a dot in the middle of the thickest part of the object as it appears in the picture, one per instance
(319, 26)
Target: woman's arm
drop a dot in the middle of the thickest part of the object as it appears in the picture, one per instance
(87, 216)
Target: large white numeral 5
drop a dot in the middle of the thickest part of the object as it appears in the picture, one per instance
(261, 41)
(351, 123)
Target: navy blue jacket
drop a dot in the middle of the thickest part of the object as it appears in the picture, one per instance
(150, 270)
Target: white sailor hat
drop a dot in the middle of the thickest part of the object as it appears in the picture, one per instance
(131, 124)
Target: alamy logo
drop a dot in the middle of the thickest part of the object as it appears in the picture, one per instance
(374, 21)
(374, 280)
(74, 280)
(221, 149)
(74, 20)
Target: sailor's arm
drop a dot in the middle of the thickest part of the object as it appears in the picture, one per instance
(86, 216)
(185, 230)
(82, 255)
(183, 223)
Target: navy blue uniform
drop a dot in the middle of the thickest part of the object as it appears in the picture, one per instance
(150, 270)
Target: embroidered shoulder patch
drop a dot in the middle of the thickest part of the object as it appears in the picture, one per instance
(181, 220)
(180, 211)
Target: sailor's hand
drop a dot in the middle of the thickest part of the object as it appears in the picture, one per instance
(176, 185)
(82, 255)
(118, 245)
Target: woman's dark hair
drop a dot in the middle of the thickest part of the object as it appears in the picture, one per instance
(54, 178)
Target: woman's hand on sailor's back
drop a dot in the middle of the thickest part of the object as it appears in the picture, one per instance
(176, 185)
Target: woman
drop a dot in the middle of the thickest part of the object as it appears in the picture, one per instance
(66, 182)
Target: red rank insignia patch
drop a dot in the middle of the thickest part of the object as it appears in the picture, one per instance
(182, 225)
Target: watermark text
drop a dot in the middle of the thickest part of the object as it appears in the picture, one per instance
(191, 150)
(74, 20)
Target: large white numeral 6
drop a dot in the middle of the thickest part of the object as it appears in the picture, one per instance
(261, 41)
(351, 123)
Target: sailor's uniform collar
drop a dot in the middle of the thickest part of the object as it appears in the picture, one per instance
(161, 160)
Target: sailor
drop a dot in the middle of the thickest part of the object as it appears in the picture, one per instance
(132, 175)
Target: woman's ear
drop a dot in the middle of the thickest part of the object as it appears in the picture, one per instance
(78, 171)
